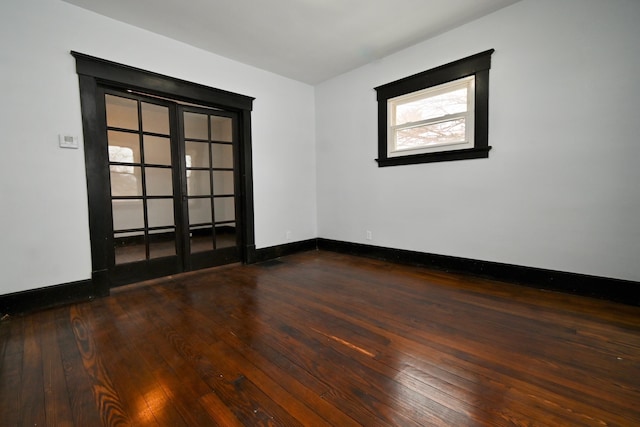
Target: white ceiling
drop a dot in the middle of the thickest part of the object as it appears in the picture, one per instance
(307, 40)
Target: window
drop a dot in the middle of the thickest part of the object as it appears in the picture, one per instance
(437, 115)
(433, 119)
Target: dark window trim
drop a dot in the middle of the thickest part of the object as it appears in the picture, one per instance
(477, 65)
(96, 72)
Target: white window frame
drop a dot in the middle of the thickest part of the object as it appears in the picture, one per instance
(469, 115)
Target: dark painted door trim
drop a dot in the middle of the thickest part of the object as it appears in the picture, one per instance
(94, 73)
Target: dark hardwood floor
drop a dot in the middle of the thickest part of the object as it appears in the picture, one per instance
(323, 339)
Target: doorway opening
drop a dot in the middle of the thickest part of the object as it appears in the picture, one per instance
(168, 173)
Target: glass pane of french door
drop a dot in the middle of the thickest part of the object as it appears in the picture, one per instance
(209, 143)
(142, 184)
(173, 186)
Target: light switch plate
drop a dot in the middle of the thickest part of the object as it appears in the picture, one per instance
(68, 141)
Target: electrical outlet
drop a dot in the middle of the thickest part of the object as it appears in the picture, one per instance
(369, 235)
(287, 235)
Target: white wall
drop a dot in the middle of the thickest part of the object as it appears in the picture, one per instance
(44, 231)
(561, 189)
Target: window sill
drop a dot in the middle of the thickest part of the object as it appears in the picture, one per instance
(442, 156)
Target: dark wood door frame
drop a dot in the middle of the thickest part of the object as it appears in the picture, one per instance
(95, 72)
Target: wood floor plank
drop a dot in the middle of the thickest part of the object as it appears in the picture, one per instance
(295, 386)
(142, 400)
(32, 381)
(347, 305)
(194, 350)
(377, 402)
(83, 408)
(219, 412)
(281, 365)
(257, 407)
(338, 345)
(236, 363)
(280, 350)
(181, 383)
(56, 394)
(11, 370)
(322, 338)
(355, 347)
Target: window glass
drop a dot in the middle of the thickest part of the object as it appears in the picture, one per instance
(157, 150)
(442, 133)
(222, 155)
(431, 118)
(127, 214)
(222, 182)
(160, 212)
(221, 129)
(199, 183)
(125, 180)
(197, 154)
(124, 147)
(155, 118)
(429, 107)
(224, 209)
(121, 112)
(158, 181)
(200, 211)
(196, 126)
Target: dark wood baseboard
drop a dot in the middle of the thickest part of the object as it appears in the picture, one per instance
(51, 296)
(98, 286)
(272, 252)
(623, 291)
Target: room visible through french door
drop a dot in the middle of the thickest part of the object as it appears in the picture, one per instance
(174, 186)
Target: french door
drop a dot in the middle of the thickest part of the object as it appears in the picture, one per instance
(174, 186)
